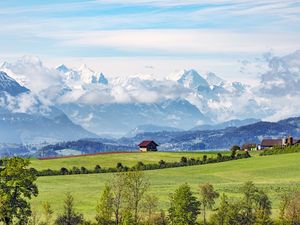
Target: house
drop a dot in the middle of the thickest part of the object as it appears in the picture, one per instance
(148, 145)
(270, 143)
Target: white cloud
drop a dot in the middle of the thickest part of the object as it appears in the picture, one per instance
(181, 41)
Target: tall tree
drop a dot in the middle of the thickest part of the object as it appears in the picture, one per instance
(69, 216)
(136, 185)
(17, 186)
(117, 183)
(207, 198)
(184, 206)
(105, 207)
(150, 204)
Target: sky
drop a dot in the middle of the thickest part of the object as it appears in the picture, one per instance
(123, 37)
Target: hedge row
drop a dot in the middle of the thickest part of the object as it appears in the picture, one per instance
(141, 166)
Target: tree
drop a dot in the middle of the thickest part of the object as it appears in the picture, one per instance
(69, 216)
(117, 183)
(97, 169)
(221, 217)
(249, 191)
(48, 212)
(136, 185)
(290, 208)
(233, 150)
(184, 206)
(150, 205)
(17, 186)
(262, 208)
(207, 198)
(64, 171)
(105, 207)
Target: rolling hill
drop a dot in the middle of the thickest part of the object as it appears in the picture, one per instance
(275, 174)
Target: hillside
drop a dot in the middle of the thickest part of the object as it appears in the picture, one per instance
(275, 174)
(111, 160)
(220, 138)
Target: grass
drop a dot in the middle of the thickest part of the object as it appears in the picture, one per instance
(111, 160)
(275, 174)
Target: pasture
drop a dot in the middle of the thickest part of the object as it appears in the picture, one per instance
(275, 174)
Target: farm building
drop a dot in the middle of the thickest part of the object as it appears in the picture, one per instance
(148, 145)
(269, 143)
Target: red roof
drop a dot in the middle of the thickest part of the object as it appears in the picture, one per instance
(145, 143)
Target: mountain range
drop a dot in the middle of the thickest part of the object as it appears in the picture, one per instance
(44, 124)
(88, 104)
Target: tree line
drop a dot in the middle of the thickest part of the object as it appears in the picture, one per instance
(184, 161)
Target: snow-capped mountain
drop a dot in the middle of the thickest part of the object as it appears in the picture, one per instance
(185, 99)
(26, 119)
(213, 80)
(83, 75)
(193, 80)
(9, 85)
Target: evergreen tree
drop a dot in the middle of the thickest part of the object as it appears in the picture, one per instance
(69, 216)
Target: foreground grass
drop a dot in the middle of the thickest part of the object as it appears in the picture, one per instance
(275, 174)
(111, 160)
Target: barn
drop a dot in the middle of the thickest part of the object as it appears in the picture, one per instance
(148, 146)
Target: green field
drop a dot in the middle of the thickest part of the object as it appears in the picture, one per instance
(275, 174)
(111, 160)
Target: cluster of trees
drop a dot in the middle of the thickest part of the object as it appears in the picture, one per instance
(281, 150)
(126, 200)
(184, 161)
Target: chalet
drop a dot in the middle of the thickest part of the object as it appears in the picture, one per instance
(146, 146)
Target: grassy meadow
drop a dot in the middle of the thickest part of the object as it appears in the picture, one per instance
(111, 160)
(275, 174)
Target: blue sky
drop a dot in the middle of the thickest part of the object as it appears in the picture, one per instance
(131, 35)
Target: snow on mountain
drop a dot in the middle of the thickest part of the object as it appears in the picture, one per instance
(30, 72)
(25, 119)
(102, 79)
(83, 75)
(192, 79)
(183, 99)
(214, 80)
(9, 85)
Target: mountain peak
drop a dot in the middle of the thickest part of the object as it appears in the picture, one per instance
(62, 68)
(10, 86)
(102, 79)
(192, 79)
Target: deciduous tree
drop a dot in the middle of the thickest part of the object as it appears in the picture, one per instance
(184, 206)
(17, 186)
(207, 198)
